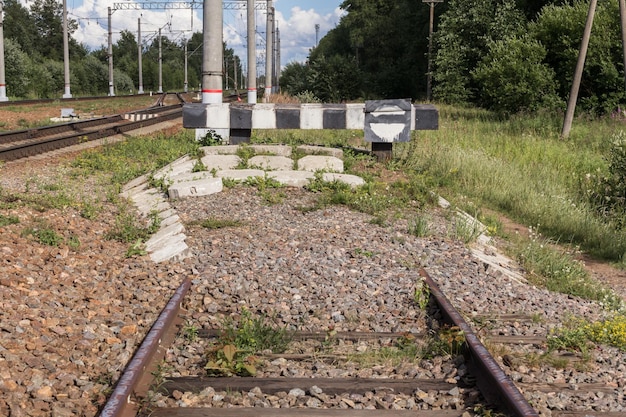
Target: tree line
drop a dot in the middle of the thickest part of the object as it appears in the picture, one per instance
(33, 47)
(504, 55)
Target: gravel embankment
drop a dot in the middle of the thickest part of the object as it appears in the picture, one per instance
(71, 318)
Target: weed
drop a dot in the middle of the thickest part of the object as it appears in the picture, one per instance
(578, 333)
(45, 236)
(7, 220)
(254, 334)
(228, 361)
(379, 220)
(244, 153)
(89, 209)
(162, 183)
(466, 229)
(363, 252)
(404, 349)
(198, 166)
(229, 182)
(448, 341)
(211, 139)
(421, 295)
(136, 249)
(73, 242)
(419, 226)
(214, 223)
(190, 332)
(126, 228)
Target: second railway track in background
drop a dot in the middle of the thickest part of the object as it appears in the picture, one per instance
(29, 142)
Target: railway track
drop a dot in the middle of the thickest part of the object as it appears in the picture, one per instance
(29, 142)
(478, 375)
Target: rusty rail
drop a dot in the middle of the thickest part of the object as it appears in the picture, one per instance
(133, 379)
(496, 386)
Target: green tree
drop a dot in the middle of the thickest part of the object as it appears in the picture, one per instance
(17, 63)
(465, 32)
(513, 77)
(335, 79)
(295, 77)
(48, 18)
(560, 30)
(20, 26)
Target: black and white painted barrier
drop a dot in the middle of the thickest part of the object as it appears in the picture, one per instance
(383, 121)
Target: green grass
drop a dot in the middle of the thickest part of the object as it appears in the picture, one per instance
(521, 168)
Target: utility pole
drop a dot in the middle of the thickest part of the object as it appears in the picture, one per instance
(429, 82)
(111, 88)
(160, 63)
(139, 55)
(3, 86)
(66, 54)
(251, 52)
(580, 64)
(212, 54)
(269, 56)
(622, 14)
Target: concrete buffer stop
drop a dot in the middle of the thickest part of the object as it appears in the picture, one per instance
(383, 121)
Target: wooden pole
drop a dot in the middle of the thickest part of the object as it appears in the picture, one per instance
(622, 14)
(571, 104)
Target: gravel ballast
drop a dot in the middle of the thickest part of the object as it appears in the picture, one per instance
(71, 318)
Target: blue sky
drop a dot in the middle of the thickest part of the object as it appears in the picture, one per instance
(296, 21)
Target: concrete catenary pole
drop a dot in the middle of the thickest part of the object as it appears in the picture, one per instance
(139, 54)
(622, 15)
(66, 54)
(160, 63)
(212, 52)
(580, 64)
(277, 66)
(269, 56)
(186, 85)
(3, 86)
(111, 88)
(251, 52)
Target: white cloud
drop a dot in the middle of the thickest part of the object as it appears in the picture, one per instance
(297, 29)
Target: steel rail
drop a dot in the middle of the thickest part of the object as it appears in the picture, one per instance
(120, 402)
(497, 386)
(25, 143)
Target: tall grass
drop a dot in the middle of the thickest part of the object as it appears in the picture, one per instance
(521, 167)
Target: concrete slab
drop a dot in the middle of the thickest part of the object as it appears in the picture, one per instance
(130, 192)
(174, 170)
(271, 162)
(352, 180)
(149, 200)
(292, 178)
(191, 176)
(160, 206)
(240, 174)
(165, 233)
(279, 150)
(219, 162)
(320, 163)
(195, 188)
(320, 150)
(138, 182)
(174, 250)
(166, 221)
(220, 150)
